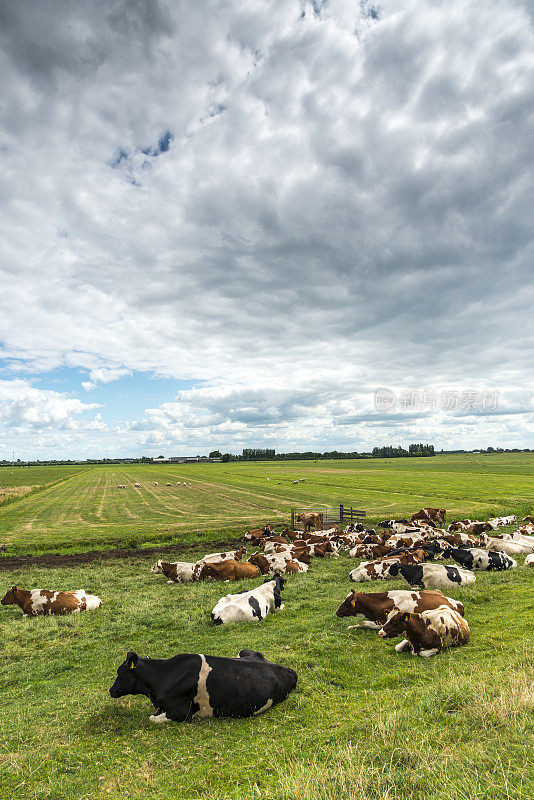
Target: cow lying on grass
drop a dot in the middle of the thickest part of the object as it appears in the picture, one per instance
(475, 558)
(188, 686)
(279, 562)
(382, 568)
(433, 576)
(44, 601)
(427, 633)
(229, 570)
(176, 571)
(250, 606)
(377, 607)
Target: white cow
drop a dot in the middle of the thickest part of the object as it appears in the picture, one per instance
(508, 546)
(529, 560)
(250, 606)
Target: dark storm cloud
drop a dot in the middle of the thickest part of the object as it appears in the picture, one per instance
(304, 200)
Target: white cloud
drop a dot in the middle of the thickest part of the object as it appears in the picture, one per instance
(344, 203)
(24, 407)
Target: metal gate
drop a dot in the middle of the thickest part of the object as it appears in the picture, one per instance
(338, 515)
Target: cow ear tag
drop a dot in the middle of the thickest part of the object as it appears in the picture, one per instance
(132, 665)
(353, 603)
(406, 617)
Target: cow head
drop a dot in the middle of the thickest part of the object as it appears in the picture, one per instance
(127, 681)
(350, 606)
(157, 567)
(10, 597)
(394, 626)
(258, 560)
(240, 552)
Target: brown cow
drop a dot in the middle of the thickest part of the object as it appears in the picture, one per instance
(377, 606)
(430, 516)
(44, 601)
(230, 570)
(311, 519)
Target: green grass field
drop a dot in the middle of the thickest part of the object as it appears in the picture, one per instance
(363, 723)
(87, 510)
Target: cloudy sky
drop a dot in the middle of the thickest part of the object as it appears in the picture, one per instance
(283, 223)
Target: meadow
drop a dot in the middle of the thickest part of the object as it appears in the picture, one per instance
(85, 510)
(363, 723)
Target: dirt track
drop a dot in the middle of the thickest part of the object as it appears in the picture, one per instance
(8, 563)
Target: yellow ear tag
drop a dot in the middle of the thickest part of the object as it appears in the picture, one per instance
(353, 603)
(132, 665)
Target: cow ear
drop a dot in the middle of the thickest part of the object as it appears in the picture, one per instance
(132, 659)
(14, 589)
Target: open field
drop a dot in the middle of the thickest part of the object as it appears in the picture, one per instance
(16, 482)
(363, 722)
(87, 510)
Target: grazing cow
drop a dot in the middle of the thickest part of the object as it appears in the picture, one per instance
(169, 484)
(311, 519)
(382, 568)
(137, 485)
(156, 483)
(508, 546)
(188, 686)
(294, 482)
(481, 559)
(237, 555)
(529, 560)
(430, 516)
(44, 601)
(121, 486)
(427, 633)
(229, 570)
(376, 607)
(177, 571)
(433, 576)
(250, 606)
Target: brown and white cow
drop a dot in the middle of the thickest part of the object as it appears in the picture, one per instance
(429, 632)
(381, 568)
(177, 571)
(311, 519)
(237, 555)
(369, 551)
(376, 607)
(430, 516)
(229, 570)
(279, 562)
(34, 602)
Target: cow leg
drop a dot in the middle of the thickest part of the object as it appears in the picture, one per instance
(367, 623)
(159, 718)
(402, 646)
(428, 653)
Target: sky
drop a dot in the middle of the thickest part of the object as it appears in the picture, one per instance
(265, 223)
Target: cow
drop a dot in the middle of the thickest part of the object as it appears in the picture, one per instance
(528, 518)
(279, 562)
(252, 606)
(34, 602)
(121, 486)
(195, 685)
(498, 522)
(508, 546)
(237, 555)
(311, 519)
(156, 483)
(381, 569)
(433, 576)
(369, 551)
(137, 485)
(529, 560)
(168, 484)
(229, 570)
(430, 516)
(459, 525)
(376, 607)
(473, 558)
(427, 633)
(177, 571)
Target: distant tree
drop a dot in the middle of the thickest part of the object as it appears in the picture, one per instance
(226, 457)
(215, 454)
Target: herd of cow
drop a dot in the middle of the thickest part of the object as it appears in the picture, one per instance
(194, 685)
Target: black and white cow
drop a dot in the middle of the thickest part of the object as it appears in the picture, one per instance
(433, 576)
(251, 606)
(475, 558)
(195, 685)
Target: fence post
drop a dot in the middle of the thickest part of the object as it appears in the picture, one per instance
(292, 519)
(341, 513)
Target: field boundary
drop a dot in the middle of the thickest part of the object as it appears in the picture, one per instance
(73, 559)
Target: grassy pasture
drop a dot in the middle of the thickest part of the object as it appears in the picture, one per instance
(88, 511)
(363, 722)
(16, 482)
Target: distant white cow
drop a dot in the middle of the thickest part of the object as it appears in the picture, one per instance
(156, 483)
(250, 606)
(121, 486)
(137, 485)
